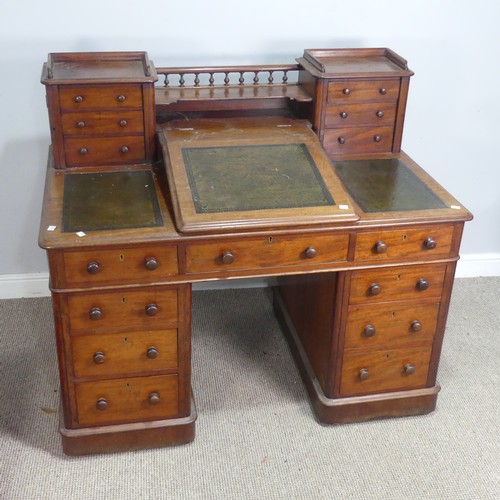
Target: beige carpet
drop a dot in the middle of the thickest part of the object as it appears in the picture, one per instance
(256, 435)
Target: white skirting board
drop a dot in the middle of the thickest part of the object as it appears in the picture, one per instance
(15, 286)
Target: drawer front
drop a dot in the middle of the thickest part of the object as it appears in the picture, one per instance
(122, 310)
(141, 264)
(104, 150)
(428, 242)
(103, 122)
(358, 140)
(381, 371)
(108, 96)
(127, 400)
(363, 90)
(374, 114)
(382, 325)
(275, 251)
(397, 283)
(111, 354)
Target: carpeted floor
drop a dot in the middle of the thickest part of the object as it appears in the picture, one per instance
(256, 435)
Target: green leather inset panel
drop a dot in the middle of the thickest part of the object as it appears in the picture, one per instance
(255, 177)
(386, 185)
(110, 200)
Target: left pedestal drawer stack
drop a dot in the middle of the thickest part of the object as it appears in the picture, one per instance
(124, 348)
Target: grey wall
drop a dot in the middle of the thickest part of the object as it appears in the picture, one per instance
(452, 126)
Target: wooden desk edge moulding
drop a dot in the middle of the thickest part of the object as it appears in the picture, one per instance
(293, 171)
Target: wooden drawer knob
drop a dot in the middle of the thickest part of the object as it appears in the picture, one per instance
(310, 252)
(344, 115)
(95, 313)
(123, 123)
(364, 374)
(379, 114)
(416, 326)
(422, 284)
(227, 258)
(346, 91)
(121, 98)
(93, 267)
(430, 243)
(150, 263)
(369, 331)
(99, 358)
(101, 404)
(151, 309)
(152, 353)
(374, 289)
(154, 398)
(380, 247)
(83, 151)
(409, 369)
(341, 140)
(81, 124)
(78, 99)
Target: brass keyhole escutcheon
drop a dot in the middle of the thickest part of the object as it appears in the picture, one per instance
(123, 300)
(405, 237)
(270, 239)
(122, 257)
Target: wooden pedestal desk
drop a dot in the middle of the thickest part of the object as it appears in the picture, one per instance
(152, 188)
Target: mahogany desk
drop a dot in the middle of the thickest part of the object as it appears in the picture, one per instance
(150, 189)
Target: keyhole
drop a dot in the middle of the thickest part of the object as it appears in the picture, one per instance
(122, 257)
(393, 314)
(125, 340)
(270, 239)
(398, 277)
(123, 300)
(405, 237)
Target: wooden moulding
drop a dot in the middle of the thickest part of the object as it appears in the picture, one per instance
(127, 437)
(357, 408)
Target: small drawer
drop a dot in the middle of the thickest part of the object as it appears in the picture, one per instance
(112, 354)
(108, 96)
(374, 114)
(104, 150)
(363, 90)
(127, 400)
(379, 325)
(141, 264)
(427, 242)
(103, 122)
(358, 140)
(397, 283)
(122, 310)
(272, 251)
(382, 371)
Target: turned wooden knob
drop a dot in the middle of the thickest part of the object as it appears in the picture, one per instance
(83, 151)
(380, 247)
(99, 358)
(409, 369)
(78, 98)
(121, 98)
(123, 123)
(429, 243)
(310, 252)
(346, 91)
(364, 374)
(150, 263)
(341, 140)
(95, 313)
(416, 326)
(227, 258)
(124, 149)
(151, 309)
(101, 404)
(81, 124)
(344, 115)
(374, 289)
(422, 284)
(93, 267)
(379, 114)
(154, 398)
(369, 331)
(152, 353)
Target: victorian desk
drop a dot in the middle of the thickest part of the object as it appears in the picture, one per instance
(150, 189)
